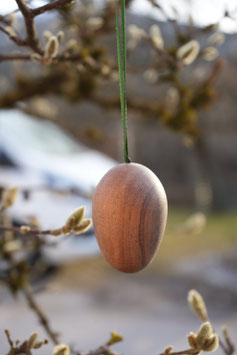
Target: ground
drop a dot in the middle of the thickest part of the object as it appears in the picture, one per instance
(87, 299)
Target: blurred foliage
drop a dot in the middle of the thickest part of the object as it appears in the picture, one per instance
(74, 63)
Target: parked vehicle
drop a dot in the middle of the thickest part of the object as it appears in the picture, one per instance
(55, 175)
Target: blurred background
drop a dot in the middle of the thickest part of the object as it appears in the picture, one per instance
(60, 132)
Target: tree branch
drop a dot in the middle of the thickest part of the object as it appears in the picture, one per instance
(32, 38)
(61, 58)
(22, 231)
(16, 56)
(13, 38)
(51, 6)
(8, 335)
(229, 349)
(41, 316)
(5, 20)
(182, 352)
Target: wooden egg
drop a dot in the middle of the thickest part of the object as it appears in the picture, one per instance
(129, 211)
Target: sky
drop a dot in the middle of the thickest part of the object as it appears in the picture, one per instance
(204, 12)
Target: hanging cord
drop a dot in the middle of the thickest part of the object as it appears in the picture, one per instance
(121, 53)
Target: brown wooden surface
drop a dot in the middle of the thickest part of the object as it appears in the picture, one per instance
(129, 216)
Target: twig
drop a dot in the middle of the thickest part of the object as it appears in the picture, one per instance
(69, 191)
(161, 9)
(32, 38)
(230, 345)
(26, 291)
(16, 56)
(51, 6)
(75, 223)
(5, 20)
(165, 15)
(22, 231)
(230, 349)
(26, 230)
(29, 14)
(8, 335)
(19, 56)
(42, 318)
(14, 38)
(216, 69)
(183, 352)
(222, 345)
(103, 350)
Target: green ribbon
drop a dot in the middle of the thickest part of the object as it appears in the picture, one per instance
(121, 54)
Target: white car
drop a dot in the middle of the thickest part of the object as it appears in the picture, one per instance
(38, 156)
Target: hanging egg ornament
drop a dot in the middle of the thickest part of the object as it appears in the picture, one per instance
(129, 211)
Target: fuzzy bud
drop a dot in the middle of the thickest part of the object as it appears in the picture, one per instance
(197, 304)
(105, 70)
(151, 75)
(36, 57)
(51, 48)
(10, 30)
(72, 44)
(32, 341)
(76, 222)
(195, 223)
(60, 36)
(84, 226)
(61, 349)
(136, 32)
(56, 232)
(12, 246)
(39, 344)
(172, 97)
(114, 338)
(168, 350)
(210, 53)
(9, 197)
(11, 17)
(47, 35)
(135, 35)
(192, 340)
(217, 39)
(204, 333)
(211, 344)
(156, 36)
(25, 229)
(95, 23)
(76, 217)
(188, 52)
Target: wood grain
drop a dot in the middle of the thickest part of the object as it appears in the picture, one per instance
(129, 211)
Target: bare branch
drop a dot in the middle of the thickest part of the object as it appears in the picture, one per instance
(22, 231)
(32, 37)
(42, 318)
(13, 38)
(5, 20)
(16, 56)
(32, 40)
(51, 6)
(183, 352)
(216, 69)
(230, 348)
(8, 335)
